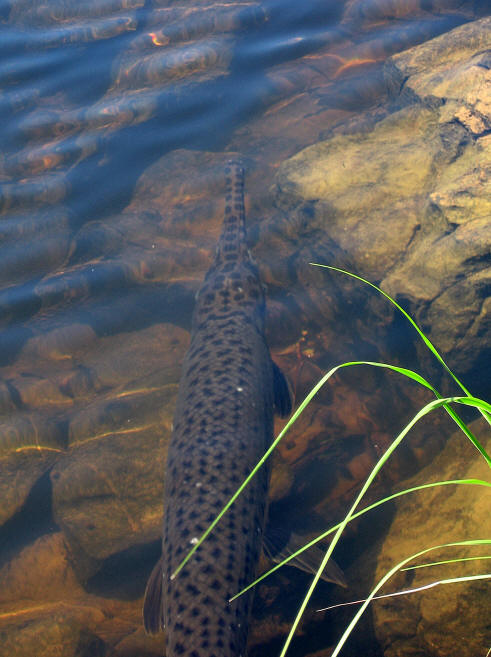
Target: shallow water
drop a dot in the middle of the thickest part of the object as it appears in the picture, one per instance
(117, 119)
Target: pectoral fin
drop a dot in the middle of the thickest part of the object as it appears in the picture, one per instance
(153, 608)
(282, 395)
(278, 545)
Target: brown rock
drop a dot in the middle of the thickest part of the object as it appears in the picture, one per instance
(412, 624)
(139, 68)
(140, 361)
(48, 236)
(390, 172)
(108, 488)
(409, 200)
(59, 344)
(29, 444)
(53, 635)
(45, 611)
(39, 572)
(60, 11)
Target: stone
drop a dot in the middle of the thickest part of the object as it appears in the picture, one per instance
(53, 635)
(29, 445)
(46, 612)
(412, 624)
(408, 201)
(108, 487)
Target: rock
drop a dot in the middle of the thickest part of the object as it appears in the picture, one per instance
(53, 635)
(103, 505)
(390, 172)
(186, 208)
(205, 60)
(146, 360)
(29, 445)
(409, 199)
(449, 70)
(413, 624)
(45, 612)
(61, 11)
(65, 343)
(183, 23)
(48, 236)
(39, 572)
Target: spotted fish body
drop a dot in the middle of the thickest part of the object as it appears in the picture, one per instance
(223, 424)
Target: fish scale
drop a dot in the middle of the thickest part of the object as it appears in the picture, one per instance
(223, 424)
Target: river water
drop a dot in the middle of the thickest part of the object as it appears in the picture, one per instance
(117, 119)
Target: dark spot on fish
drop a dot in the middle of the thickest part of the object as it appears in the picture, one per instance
(215, 585)
(179, 649)
(192, 589)
(195, 611)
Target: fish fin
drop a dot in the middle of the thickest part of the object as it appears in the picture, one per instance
(282, 394)
(278, 546)
(153, 608)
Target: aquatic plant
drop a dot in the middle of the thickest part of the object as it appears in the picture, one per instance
(439, 401)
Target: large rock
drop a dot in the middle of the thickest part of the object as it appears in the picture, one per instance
(45, 612)
(412, 624)
(409, 200)
(103, 505)
(29, 444)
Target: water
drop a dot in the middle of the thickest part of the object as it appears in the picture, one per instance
(117, 118)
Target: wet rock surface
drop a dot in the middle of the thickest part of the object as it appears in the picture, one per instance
(411, 624)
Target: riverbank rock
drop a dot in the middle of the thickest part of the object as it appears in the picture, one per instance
(412, 624)
(409, 199)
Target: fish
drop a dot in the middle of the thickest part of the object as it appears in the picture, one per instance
(229, 390)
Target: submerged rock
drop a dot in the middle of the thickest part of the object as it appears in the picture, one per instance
(108, 486)
(45, 611)
(29, 445)
(432, 623)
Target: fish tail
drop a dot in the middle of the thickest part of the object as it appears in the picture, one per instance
(232, 245)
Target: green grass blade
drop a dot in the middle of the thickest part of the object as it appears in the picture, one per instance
(441, 563)
(426, 340)
(324, 535)
(437, 403)
(409, 373)
(388, 575)
(417, 589)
